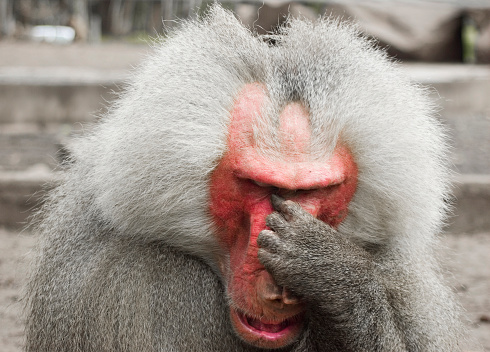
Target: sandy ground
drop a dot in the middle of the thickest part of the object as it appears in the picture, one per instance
(466, 256)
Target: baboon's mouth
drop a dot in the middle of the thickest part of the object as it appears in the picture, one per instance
(266, 333)
(269, 327)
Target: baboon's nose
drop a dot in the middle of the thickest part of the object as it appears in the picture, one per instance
(272, 294)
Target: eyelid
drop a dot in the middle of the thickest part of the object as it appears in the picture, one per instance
(281, 190)
(261, 184)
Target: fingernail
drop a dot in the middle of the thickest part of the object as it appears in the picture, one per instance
(276, 201)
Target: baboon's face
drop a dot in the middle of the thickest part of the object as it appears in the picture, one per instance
(262, 313)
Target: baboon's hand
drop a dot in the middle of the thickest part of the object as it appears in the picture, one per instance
(312, 259)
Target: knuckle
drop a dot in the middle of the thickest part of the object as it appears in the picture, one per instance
(262, 254)
(292, 209)
(289, 206)
(268, 240)
(265, 233)
(273, 219)
(264, 237)
(288, 203)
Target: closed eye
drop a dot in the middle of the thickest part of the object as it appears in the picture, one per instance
(261, 184)
(282, 191)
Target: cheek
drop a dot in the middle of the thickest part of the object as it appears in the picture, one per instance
(236, 206)
(334, 203)
(226, 206)
(239, 210)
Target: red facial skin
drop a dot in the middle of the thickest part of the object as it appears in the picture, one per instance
(262, 313)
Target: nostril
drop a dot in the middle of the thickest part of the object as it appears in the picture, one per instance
(278, 295)
(289, 298)
(276, 300)
(267, 289)
(270, 292)
(291, 301)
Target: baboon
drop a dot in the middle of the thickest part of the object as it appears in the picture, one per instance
(249, 193)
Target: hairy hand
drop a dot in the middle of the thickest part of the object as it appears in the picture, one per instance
(311, 258)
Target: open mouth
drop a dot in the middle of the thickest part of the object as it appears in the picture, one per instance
(269, 328)
(267, 334)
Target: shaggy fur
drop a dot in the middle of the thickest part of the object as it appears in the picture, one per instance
(126, 258)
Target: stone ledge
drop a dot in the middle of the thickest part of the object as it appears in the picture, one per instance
(53, 76)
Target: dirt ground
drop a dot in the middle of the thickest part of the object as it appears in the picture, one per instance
(466, 256)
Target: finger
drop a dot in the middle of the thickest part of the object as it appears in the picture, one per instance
(281, 205)
(287, 208)
(272, 263)
(277, 201)
(269, 241)
(276, 222)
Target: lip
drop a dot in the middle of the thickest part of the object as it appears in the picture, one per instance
(267, 333)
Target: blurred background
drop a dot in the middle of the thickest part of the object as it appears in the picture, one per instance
(63, 61)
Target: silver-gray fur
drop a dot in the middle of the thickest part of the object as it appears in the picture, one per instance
(127, 253)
